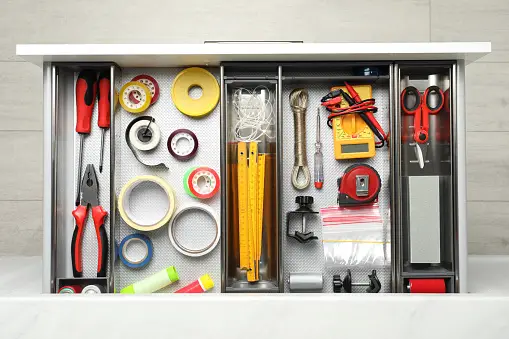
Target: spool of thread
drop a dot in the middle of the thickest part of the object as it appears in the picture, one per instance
(153, 283)
(203, 284)
(70, 289)
(93, 289)
(305, 282)
(426, 285)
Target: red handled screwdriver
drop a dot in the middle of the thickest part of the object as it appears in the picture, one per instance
(104, 105)
(86, 90)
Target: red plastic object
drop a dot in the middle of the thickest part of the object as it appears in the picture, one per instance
(86, 90)
(199, 194)
(426, 285)
(104, 100)
(347, 190)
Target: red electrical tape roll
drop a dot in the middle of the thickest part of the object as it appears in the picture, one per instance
(426, 285)
(152, 85)
(211, 187)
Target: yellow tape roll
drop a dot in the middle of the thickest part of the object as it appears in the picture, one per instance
(191, 77)
(124, 206)
(145, 97)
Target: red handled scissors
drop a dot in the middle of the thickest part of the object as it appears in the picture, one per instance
(420, 105)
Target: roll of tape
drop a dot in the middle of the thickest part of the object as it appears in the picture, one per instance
(148, 249)
(305, 282)
(182, 153)
(199, 251)
(426, 286)
(125, 209)
(151, 84)
(210, 186)
(195, 77)
(93, 289)
(70, 289)
(144, 96)
(130, 127)
(145, 135)
(185, 180)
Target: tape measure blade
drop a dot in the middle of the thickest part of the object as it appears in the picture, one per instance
(243, 205)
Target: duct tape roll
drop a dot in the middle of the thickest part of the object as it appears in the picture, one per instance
(195, 77)
(140, 137)
(426, 285)
(305, 282)
(145, 135)
(175, 147)
(148, 250)
(93, 289)
(144, 97)
(197, 252)
(185, 180)
(203, 182)
(70, 289)
(151, 84)
(147, 222)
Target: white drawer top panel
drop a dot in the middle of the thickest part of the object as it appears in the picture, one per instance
(212, 54)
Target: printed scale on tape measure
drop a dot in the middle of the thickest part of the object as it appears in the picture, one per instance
(251, 181)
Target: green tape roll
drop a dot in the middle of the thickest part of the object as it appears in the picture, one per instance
(186, 179)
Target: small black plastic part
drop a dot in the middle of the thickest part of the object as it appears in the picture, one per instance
(337, 283)
(303, 210)
(374, 285)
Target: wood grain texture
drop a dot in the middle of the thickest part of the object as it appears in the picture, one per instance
(488, 166)
(162, 21)
(21, 96)
(21, 228)
(488, 227)
(473, 20)
(21, 165)
(486, 96)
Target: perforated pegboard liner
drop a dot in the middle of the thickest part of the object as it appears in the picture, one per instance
(168, 118)
(309, 257)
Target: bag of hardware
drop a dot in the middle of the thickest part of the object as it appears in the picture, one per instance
(353, 236)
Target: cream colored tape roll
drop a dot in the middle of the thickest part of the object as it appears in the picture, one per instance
(139, 223)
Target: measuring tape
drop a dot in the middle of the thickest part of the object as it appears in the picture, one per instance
(148, 249)
(251, 185)
(181, 153)
(136, 88)
(195, 77)
(125, 209)
(151, 84)
(211, 182)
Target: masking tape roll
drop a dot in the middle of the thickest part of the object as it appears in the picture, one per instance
(144, 97)
(145, 135)
(195, 77)
(199, 251)
(125, 209)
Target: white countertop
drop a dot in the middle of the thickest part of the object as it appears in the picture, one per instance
(24, 313)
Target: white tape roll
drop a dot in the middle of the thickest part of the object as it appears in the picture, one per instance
(198, 252)
(146, 222)
(143, 138)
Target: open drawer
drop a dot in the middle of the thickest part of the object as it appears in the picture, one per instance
(281, 249)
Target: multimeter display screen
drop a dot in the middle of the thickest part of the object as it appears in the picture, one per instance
(354, 148)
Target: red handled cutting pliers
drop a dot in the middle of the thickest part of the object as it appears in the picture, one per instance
(421, 108)
(89, 190)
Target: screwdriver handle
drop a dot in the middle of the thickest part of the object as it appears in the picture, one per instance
(86, 90)
(104, 99)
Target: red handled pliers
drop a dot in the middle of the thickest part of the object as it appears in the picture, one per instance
(89, 190)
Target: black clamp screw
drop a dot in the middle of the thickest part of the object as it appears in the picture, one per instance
(374, 285)
(303, 211)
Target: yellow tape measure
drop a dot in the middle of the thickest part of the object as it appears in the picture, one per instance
(353, 139)
(251, 185)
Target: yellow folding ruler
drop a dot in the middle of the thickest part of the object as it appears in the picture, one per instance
(251, 176)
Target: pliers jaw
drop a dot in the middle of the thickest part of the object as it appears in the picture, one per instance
(90, 187)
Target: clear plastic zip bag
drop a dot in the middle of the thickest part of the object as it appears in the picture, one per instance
(353, 236)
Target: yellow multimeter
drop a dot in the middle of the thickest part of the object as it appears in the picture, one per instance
(353, 139)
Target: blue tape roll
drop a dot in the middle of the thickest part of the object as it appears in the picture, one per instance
(122, 249)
